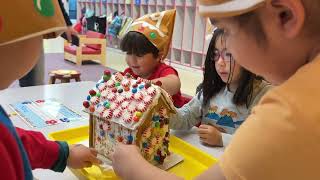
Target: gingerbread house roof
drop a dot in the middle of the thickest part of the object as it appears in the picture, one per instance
(125, 100)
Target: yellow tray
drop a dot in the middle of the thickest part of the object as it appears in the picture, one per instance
(195, 161)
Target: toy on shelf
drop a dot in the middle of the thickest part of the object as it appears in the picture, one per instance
(131, 111)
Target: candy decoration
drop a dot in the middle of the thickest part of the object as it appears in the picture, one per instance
(126, 89)
(142, 107)
(101, 126)
(141, 86)
(127, 117)
(113, 105)
(91, 109)
(95, 100)
(130, 139)
(106, 78)
(120, 138)
(158, 83)
(134, 85)
(118, 77)
(148, 84)
(120, 99)
(100, 109)
(111, 97)
(138, 114)
(128, 96)
(104, 94)
(106, 104)
(141, 28)
(136, 119)
(144, 144)
(120, 90)
(163, 112)
(102, 133)
(132, 108)
(117, 113)
(107, 73)
(98, 94)
(111, 135)
(92, 92)
(138, 96)
(102, 86)
(117, 84)
(114, 90)
(128, 75)
(134, 90)
(44, 7)
(107, 114)
(156, 118)
(139, 80)
(125, 83)
(147, 99)
(157, 124)
(151, 91)
(110, 83)
(157, 158)
(88, 97)
(86, 104)
(125, 105)
(153, 35)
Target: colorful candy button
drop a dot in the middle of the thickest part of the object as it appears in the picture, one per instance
(86, 104)
(153, 35)
(92, 92)
(51, 122)
(107, 73)
(44, 7)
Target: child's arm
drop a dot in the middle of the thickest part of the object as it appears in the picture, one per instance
(170, 83)
(188, 115)
(46, 154)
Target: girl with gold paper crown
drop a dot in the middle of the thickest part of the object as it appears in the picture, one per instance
(146, 44)
(20, 45)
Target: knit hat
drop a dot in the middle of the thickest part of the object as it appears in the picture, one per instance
(21, 20)
(157, 27)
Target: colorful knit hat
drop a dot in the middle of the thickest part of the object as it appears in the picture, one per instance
(158, 28)
(25, 19)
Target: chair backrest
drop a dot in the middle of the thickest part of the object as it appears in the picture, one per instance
(92, 34)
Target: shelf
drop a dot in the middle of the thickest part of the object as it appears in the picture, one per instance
(198, 35)
(143, 10)
(196, 60)
(180, 2)
(128, 11)
(151, 9)
(189, 43)
(161, 2)
(176, 55)
(177, 35)
(188, 29)
(160, 8)
(186, 57)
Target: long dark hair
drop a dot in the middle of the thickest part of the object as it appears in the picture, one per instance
(135, 43)
(212, 83)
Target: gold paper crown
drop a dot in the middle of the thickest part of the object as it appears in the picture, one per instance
(24, 19)
(158, 28)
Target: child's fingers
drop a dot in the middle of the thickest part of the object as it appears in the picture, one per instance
(204, 126)
(87, 164)
(94, 151)
(94, 160)
(202, 131)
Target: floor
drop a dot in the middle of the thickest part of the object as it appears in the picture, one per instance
(115, 61)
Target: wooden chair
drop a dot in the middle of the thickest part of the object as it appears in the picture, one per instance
(64, 76)
(92, 46)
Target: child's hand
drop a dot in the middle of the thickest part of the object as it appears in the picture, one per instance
(210, 135)
(126, 159)
(81, 156)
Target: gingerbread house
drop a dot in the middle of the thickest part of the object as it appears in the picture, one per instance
(131, 111)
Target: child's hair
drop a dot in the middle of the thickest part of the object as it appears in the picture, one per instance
(135, 43)
(213, 84)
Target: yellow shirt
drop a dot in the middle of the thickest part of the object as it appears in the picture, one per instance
(281, 138)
